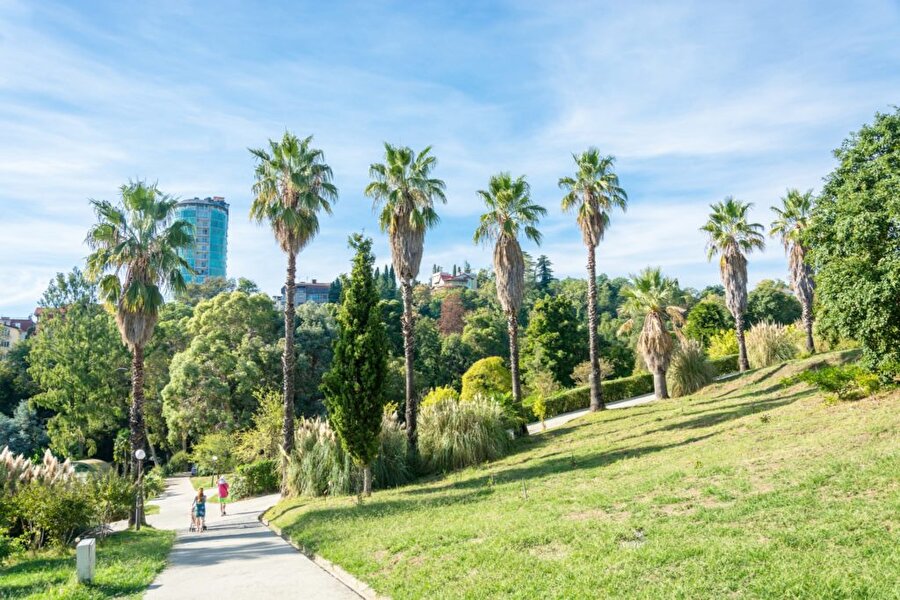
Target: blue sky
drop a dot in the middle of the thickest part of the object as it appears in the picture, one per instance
(698, 100)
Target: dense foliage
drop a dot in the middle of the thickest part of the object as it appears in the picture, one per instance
(855, 243)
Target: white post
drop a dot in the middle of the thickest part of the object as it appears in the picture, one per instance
(85, 557)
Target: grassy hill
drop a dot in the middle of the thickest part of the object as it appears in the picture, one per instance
(747, 489)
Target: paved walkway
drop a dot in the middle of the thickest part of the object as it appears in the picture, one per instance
(566, 417)
(236, 557)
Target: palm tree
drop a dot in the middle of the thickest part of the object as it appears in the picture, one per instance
(293, 183)
(404, 190)
(790, 222)
(510, 208)
(136, 246)
(592, 194)
(653, 297)
(732, 236)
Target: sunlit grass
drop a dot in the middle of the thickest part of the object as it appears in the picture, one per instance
(746, 489)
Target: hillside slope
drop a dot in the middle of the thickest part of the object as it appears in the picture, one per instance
(747, 489)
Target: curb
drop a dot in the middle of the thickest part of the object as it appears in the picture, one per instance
(359, 587)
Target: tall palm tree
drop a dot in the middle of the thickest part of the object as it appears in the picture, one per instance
(405, 192)
(655, 298)
(790, 222)
(293, 183)
(135, 256)
(592, 194)
(732, 236)
(510, 209)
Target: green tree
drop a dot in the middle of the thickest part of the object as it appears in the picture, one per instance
(706, 319)
(80, 367)
(485, 331)
(543, 273)
(732, 236)
(16, 384)
(232, 353)
(510, 209)
(552, 340)
(791, 221)
(334, 291)
(136, 254)
(488, 377)
(24, 432)
(196, 292)
(316, 333)
(653, 298)
(592, 194)
(293, 184)
(855, 244)
(405, 191)
(772, 301)
(354, 387)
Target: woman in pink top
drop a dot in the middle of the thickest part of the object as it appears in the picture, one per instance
(223, 493)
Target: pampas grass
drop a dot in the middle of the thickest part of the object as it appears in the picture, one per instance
(769, 344)
(453, 435)
(689, 369)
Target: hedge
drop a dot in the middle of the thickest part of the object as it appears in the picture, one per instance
(725, 365)
(613, 390)
(260, 477)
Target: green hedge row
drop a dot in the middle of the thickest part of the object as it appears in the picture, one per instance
(613, 390)
(725, 365)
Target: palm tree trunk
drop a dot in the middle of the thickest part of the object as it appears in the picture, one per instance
(367, 480)
(409, 341)
(287, 359)
(513, 326)
(808, 325)
(136, 417)
(594, 378)
(743, 364)
(660, 387)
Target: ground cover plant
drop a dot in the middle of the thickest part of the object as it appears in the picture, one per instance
(127, 562)
(747, 488)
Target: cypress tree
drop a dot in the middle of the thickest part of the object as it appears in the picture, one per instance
(354, 386)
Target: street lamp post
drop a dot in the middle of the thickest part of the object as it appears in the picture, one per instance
(140, 455)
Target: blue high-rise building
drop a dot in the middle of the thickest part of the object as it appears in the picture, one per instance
(208, 256)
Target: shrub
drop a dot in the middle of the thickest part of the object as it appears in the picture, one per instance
(848, 382)
(725, 365)
(688, 369)
(722, 344)
(114, 496)
(437, 394)
(219, 445)
(488, 377)
(179, 463)
(613, 390)
(154, 484)
(453, 435)
(581, 374)
(260, 477)
(539, 408)
(263, 438)
(391, 468)
(769, 344)
(318, 465)
(55, 513)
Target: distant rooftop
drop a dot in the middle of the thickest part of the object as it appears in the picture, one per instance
(218, 201)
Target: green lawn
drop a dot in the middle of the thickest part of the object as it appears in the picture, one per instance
(127, 562)
(747, 489)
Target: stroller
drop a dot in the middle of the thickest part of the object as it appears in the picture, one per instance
(198, 515)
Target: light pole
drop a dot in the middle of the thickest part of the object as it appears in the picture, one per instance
(212, 480)
(140, 455)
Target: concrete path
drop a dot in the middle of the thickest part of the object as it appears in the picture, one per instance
(566, 417)
(236, 557)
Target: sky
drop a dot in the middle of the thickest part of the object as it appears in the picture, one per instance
(696, 100)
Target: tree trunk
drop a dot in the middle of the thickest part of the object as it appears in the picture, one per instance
(808, 325)
(743, 364)
(367, 480)
(596, 390)
(407, 323)
(136, 415)
(287, 359)
(660, 387)
(513, 326)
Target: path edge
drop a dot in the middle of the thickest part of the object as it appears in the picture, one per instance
(335, 570)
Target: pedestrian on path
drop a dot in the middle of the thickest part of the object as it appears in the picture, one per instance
(198, 510)
(223, 494)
